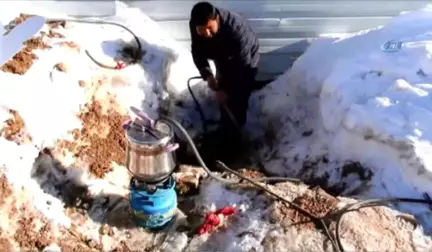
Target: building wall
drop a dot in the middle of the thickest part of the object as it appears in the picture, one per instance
(283, 25)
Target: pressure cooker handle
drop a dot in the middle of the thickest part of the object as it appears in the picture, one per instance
(171, 147)
(142, 115)
(126, 124)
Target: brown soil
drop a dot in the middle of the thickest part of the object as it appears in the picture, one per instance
(5, 190)
(5, 245)
(251, 173)
(99, 150)
(15, 129)
(122, 247)
(71, 243)
(319, 205)
(30, 239)
(21, 18)
(13, 126)
(53, 34)
(55, 25)
(23, 60)
(61, 67)
(70, 44)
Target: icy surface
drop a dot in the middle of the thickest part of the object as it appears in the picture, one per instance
(361, 103)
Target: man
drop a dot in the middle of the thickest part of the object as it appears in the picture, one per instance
(226, 38)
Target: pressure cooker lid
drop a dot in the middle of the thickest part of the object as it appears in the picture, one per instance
(160, 134)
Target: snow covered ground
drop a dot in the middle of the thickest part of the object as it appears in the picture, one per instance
(351, 106)
(347, 100)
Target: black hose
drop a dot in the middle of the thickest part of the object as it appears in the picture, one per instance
(372, 203)
(204, 166)
(197, 104)
(138, 42)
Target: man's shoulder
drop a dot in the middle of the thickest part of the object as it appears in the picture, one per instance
(231, 18)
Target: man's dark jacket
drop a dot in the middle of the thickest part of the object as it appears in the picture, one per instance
(234, 49)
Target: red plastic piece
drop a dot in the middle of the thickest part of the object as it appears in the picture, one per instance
(120, 65)
(212, 220)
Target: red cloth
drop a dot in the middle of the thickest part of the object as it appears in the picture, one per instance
(212, 219)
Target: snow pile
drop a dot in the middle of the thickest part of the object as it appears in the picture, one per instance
(48, 100)
(348, 100)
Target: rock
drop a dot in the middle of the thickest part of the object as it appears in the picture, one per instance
(174, 242)
(188, 180)
(82, 83)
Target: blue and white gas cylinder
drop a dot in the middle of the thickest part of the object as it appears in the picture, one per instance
(153, 206)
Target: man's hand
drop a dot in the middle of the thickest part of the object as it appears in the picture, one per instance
(212, 83)
(221, 96)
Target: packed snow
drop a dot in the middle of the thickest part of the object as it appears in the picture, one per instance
(356, 103)
(361, 103)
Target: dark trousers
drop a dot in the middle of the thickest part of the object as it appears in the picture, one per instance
(238, 86)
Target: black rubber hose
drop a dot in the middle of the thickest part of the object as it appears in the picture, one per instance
(138, 42)
(197, 104)
(204, 166)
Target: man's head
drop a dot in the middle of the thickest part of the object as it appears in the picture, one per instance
(206, 19)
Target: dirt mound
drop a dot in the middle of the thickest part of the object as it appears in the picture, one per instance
(5, 245)
(5, 190)
(15, 129)
(30, 239)
(254, 174)
(101, 140)
(23, 60)
(319, 204)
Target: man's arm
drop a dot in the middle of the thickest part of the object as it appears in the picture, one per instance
(200, 61)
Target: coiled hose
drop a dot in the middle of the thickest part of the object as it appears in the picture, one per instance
(135, 58)
(338, 246)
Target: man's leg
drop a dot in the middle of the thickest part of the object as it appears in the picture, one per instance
(239, 90)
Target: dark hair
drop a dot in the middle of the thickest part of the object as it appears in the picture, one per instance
(202, 12)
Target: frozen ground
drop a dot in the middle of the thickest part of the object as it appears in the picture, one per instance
(62, 190)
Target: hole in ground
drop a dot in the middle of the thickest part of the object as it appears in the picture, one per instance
(346, 186)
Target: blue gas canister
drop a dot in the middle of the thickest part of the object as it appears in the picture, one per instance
(153, 207)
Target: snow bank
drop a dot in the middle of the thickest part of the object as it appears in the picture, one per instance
(346, 99)
(49, 101)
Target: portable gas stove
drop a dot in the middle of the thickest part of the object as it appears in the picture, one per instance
(151, 160)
